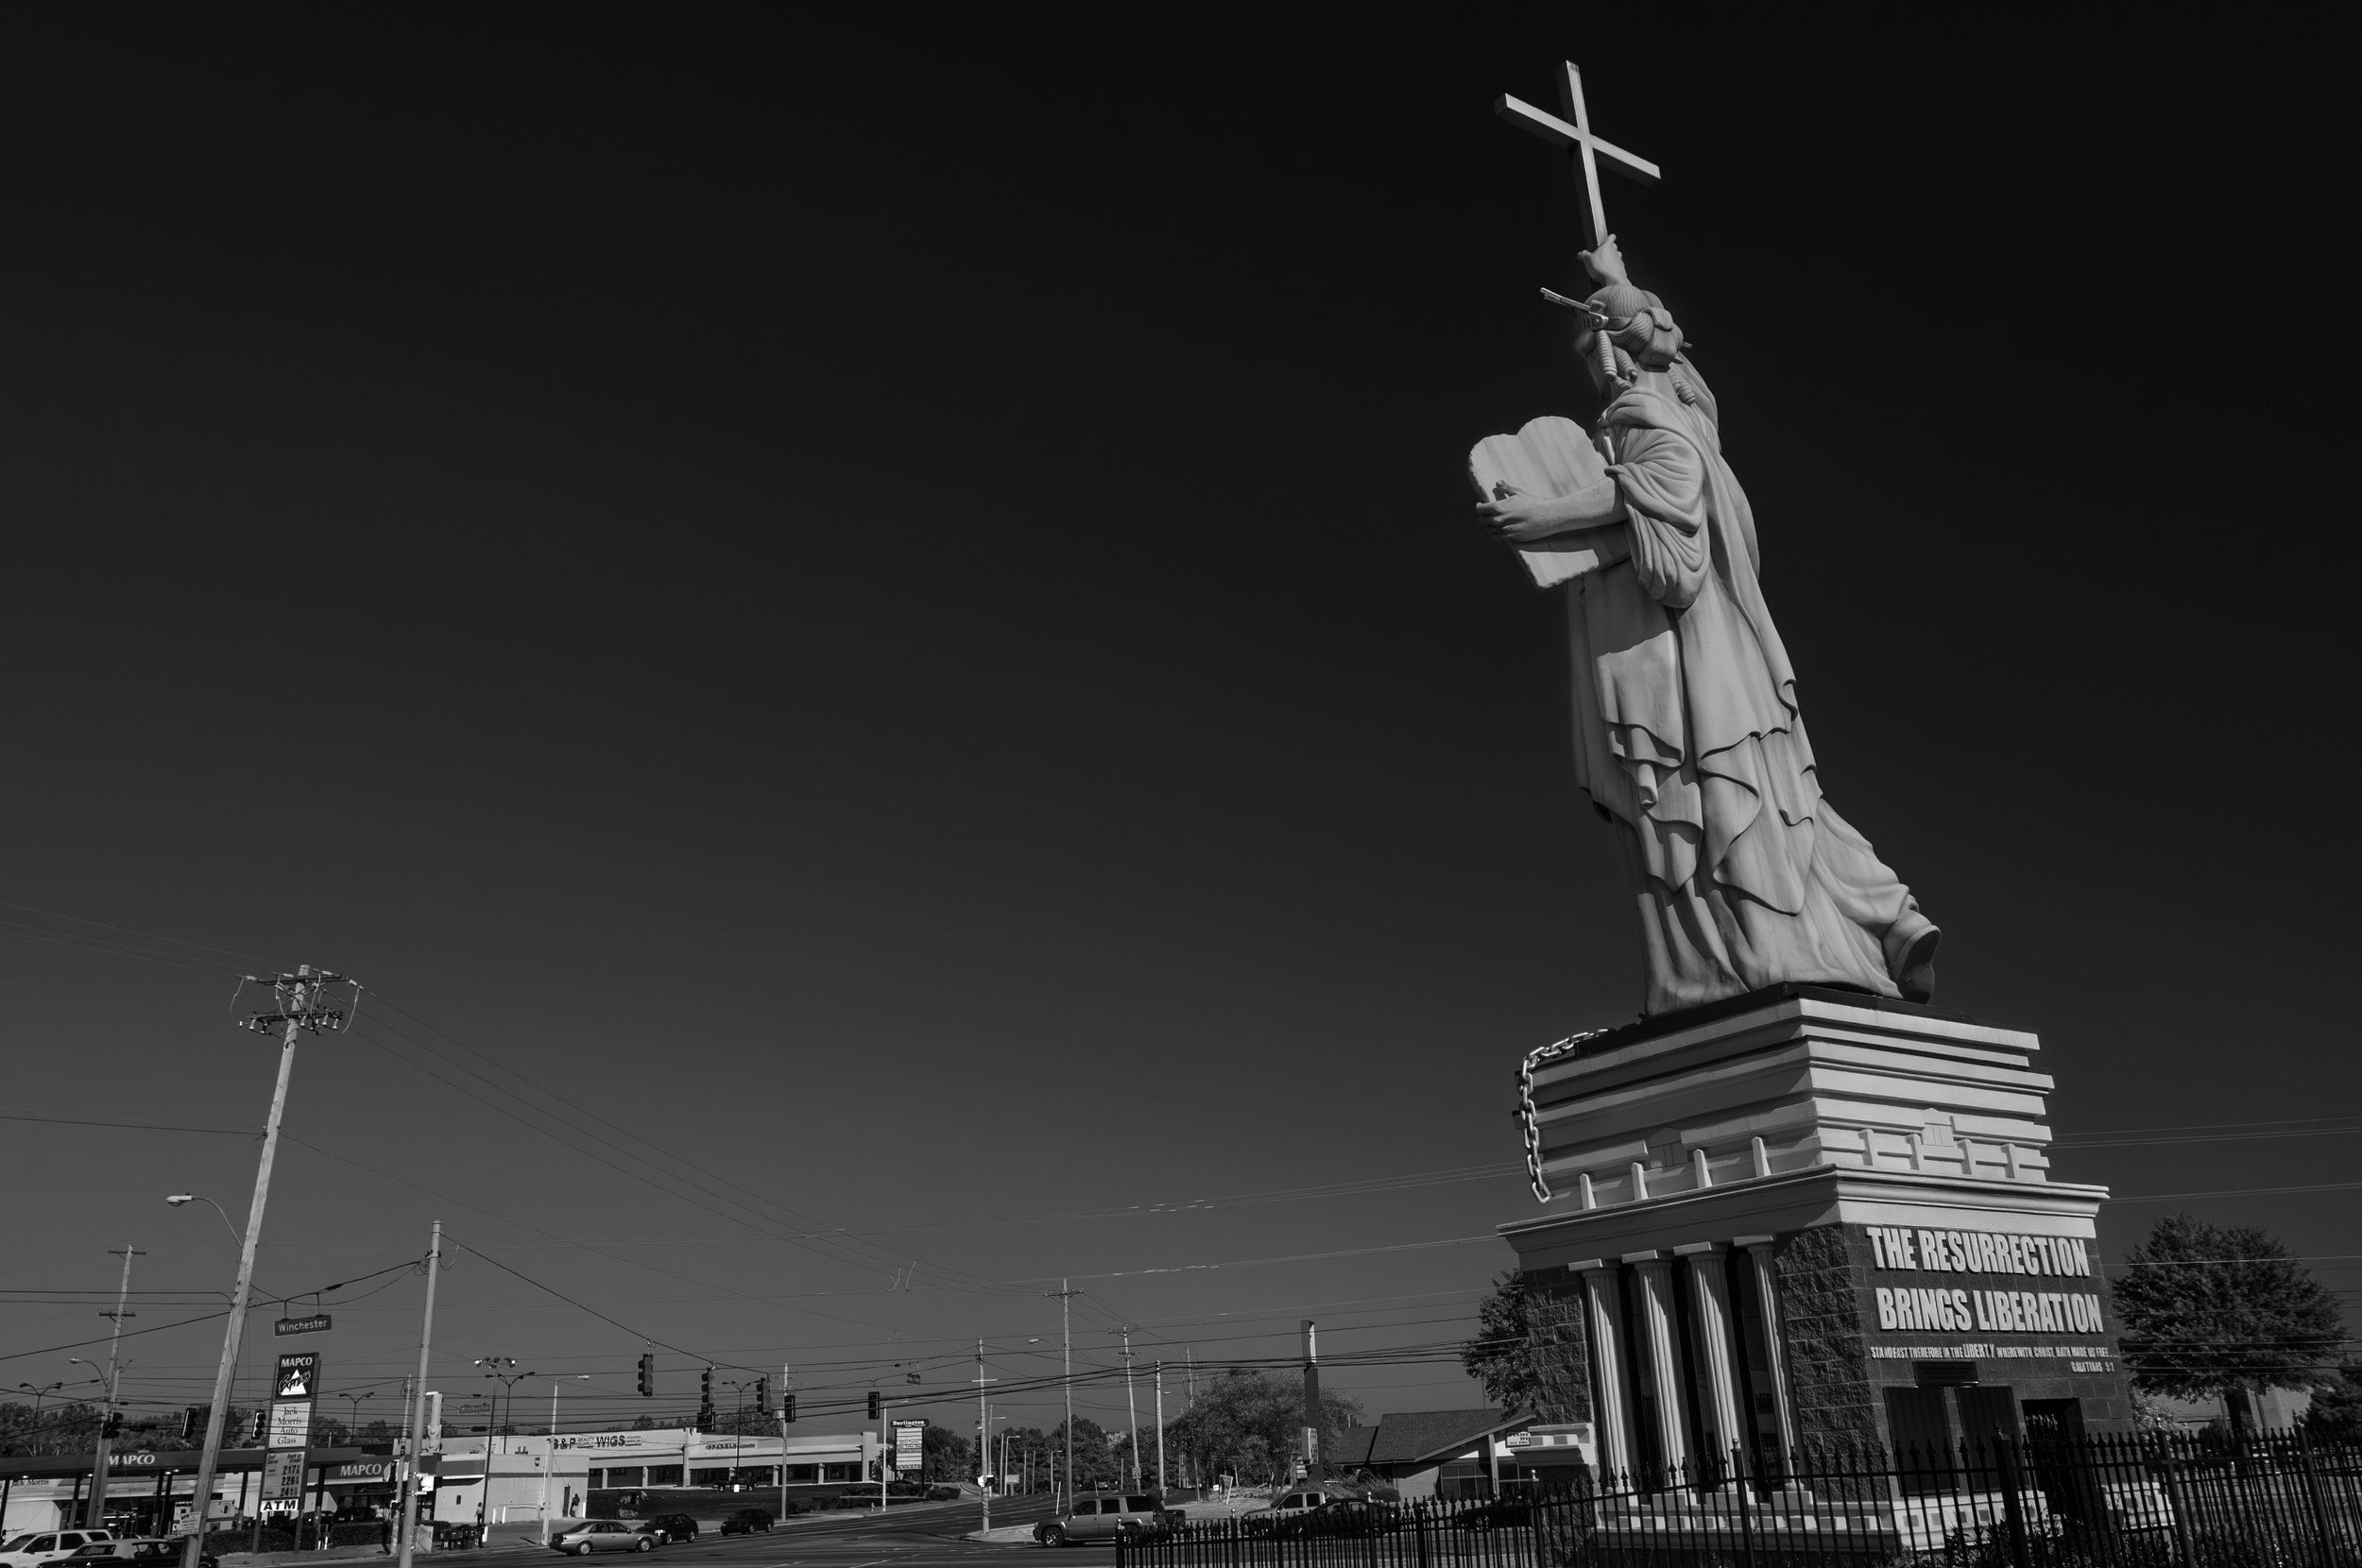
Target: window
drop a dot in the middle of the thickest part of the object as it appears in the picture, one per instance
(664, 1474)
(716, 1477)
(1086, 1509)
(849, 1471)
(757, 1476)
(806, 1473)
(625, 1475)
(1139, 1504)
(594, 1477)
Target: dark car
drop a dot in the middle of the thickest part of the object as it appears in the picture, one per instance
(671, 1527)
(1501, 1513)
(747, 1522)
(147, 1551)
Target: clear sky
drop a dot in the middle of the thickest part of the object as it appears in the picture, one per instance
(879, 633)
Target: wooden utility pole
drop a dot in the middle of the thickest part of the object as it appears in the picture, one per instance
(299, 1012)
(418, 1408)
(984, 1432)
(97, 1514)
(1066, 1294)
(1131, 1407)
(1160, 1431)
(1314, 1472)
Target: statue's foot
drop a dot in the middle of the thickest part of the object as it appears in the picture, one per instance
(1911, 952)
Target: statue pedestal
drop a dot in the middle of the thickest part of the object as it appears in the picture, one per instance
(1806, 1216)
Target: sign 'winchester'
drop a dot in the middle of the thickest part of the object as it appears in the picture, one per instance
(1794, 1204)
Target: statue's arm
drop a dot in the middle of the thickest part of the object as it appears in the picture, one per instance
(1521, 519)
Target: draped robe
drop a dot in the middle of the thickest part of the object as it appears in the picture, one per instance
(1689, 737)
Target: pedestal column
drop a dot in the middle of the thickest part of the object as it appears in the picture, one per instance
(1761, 1258)
(1660, 1351)
(1603, 1322)
(1710, 1303)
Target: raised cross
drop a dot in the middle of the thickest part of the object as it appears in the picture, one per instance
(1588, 149)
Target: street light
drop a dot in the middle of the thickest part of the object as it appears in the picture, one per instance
(353, 1426)
(177, 1198)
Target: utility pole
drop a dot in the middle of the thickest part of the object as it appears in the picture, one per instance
(97, 1515)
(299, 1012)
(1066, 1294)
(1160, 1431)
(983, 1429)
(1314, 1472)
(787, 1399)
(1190, 1403)
(418, 1409)
(1131, 1407)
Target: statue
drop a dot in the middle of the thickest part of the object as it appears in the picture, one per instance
(1687, 735)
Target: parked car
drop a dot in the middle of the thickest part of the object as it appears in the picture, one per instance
(747, 1522)
(1111, 1515)
(48, 1547)
(149, 1551)
(671, 1527)
(603, 1535)
(1501, 1513)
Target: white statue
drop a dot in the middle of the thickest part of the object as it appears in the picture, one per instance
(1687, 735)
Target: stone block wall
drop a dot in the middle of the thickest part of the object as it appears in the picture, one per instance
(1827, 1352)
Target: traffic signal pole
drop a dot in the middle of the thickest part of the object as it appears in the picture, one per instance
(299, 1009)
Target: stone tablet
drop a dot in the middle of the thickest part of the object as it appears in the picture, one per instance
(1551, 457)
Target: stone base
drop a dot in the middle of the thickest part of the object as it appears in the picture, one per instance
(1810, 1217)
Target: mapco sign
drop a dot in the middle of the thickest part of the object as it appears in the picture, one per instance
(299, 1375)
(319, 1323)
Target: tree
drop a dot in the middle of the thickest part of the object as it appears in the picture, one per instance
(1094, 1456)
(2335, 1415)
(1527, 1354)
(2224, 1311)
(948, 1456)
(1250, 1424)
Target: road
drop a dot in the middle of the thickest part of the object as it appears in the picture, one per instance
(916, 1535)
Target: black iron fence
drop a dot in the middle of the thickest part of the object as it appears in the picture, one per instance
(2153, 1501)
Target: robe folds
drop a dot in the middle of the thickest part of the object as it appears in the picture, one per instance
(1688, 738)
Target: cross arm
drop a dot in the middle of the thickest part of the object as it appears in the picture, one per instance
(1557, 131)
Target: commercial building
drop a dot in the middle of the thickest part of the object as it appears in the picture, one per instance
(508, 1477)
(147, 1490)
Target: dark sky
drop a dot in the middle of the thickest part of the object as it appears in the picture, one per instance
(892, 616)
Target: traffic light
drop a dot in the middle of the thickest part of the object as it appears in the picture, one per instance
(112, 1427)
(763, 1392)
(876, 1405)
(647, 1376)
(193, 1421)
(259, 1425)
(787, 1405)
(705, 1401)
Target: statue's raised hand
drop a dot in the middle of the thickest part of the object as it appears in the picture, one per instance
(1606, 263)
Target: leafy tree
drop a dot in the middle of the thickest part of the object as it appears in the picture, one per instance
(1527, 1352)
(1250, 1424)
(1094, 1456)
(2224, 1311)
(2335, 1415)
(948, 1456)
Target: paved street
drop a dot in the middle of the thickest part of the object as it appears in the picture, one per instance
(925, 1535)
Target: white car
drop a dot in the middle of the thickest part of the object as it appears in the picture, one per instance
(47, 1547)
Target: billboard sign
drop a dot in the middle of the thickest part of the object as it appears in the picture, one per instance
(298, 1375)
(910, 1446)
(290, 1424)
(283, 1477)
